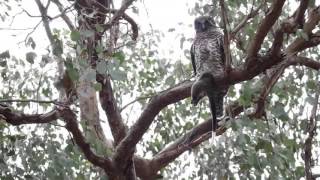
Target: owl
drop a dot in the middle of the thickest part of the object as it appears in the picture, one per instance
(208, 62)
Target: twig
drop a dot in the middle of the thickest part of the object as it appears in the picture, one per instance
(34, 28)
(138, 99)
(63, 15)
(245, 20)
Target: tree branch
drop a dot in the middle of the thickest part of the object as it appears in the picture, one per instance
(262, 31)
(134, 26)
(244, 21)
(17, 118)
(111, 109)
(275, 75)
(226, 42)
(299, 17)
(63, 14)
(29, 100)
(119, 13)
(198, 134)
(310, 63)
(72, 125)
(300, 43)
(126, 147)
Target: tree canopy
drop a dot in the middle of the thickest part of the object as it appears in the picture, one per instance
(93, 91)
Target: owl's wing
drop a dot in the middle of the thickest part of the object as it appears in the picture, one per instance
(221, 44)
(193, 59)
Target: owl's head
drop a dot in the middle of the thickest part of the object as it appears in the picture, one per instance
(203, 23)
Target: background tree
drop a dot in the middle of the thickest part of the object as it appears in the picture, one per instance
(101, 51)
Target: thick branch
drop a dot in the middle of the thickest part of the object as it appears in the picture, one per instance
(111, 109)
(299, 18)
(289, 26)
(17, 118)
(306, 62)
(300, 43)
(72, 125)
(198, 134)
(126, 147)
(266, 24)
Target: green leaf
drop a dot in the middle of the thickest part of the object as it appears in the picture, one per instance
(73, 74)
(75, 35)
(120, 56)
(30, 56)
(265, 145)
(300, 171)
(97, 86)
(311, 84)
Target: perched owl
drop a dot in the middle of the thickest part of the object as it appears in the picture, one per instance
(208, 62)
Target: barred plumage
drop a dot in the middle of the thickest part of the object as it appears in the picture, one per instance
(207, 57)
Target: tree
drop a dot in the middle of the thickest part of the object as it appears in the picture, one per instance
(270, 48)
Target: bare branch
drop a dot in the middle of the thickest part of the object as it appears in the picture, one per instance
(300, 43)
(120, 12)
(72, 125)
(45, 21)
(28, 101)
(262, 31)
(195, 137)
(126, 147)
(306, 62)
(299, 17)
(276, 73)
(245, 20)
(136, 100)
(226, 43)
(134, 26)
(109, 105)
(63, 14)
(16, 118)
